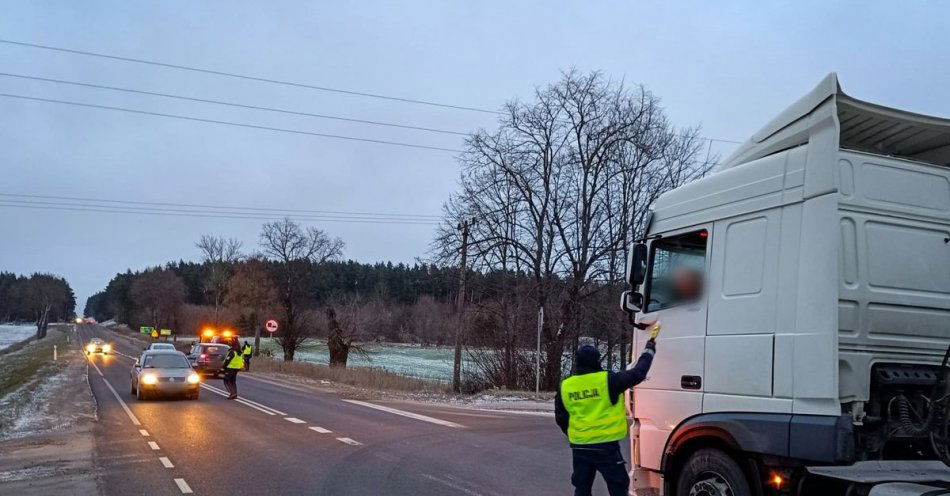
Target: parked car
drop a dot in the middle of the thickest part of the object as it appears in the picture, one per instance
(164, 372)
(208, 358)
(161, 346)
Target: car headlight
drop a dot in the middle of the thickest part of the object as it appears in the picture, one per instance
(149, 379)
(106, 348)
(193, 378)
(90, 348)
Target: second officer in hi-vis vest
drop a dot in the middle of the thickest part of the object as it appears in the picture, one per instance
(589, 409)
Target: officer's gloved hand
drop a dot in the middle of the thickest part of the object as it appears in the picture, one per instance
(651, 345)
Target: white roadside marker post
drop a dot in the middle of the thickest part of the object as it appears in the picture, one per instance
(54, 352)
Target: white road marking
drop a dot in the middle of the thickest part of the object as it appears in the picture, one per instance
(253, 404)
(166, 462)
(143, 432)
(294, 420)
(321, 430)
(183, 486)
(135, 421)
(349, 441)
(451, 484)
(153, 445)
(404, 413)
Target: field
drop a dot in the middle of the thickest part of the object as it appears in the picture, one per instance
(11, 334)
(432, 363)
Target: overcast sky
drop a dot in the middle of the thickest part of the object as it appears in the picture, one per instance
(726, 65)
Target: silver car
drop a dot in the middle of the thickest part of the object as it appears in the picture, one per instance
(166, 373)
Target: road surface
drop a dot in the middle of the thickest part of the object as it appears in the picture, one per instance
(281, 440)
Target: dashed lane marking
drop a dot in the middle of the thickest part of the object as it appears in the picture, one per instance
(417, 416)
(143, 432)
(135, 420)
(166, 462)
(321, 430)
(294, 420)
(349, 441)
(183, 486)
(153, 445)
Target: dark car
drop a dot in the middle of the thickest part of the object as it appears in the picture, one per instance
(208, 358)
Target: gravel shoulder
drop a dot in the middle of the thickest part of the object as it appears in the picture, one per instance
(47, 412)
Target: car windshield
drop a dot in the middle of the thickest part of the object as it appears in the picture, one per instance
(163, 346)
(168, 361)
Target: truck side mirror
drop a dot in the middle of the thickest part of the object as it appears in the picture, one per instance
(631, 302)
(637, 264)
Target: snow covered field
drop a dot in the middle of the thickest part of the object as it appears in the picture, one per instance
(10, 334)
(434, 363)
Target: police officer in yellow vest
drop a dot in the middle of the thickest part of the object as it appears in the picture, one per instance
(589, 408)
(233, 362)
(246, 351)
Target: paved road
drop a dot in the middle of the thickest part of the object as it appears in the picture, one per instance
(283, 440)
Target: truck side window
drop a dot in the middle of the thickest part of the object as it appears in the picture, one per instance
(677, 270)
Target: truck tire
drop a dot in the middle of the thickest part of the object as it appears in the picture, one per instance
(711, 472)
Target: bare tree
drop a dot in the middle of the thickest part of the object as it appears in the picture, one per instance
(251, 291)
(219, 255)
(48, 298)
(293, 252)
(559, 189)
(349, 320)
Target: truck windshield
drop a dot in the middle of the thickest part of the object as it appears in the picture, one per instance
(677, 271)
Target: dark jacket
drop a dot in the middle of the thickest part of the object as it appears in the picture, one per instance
(617, 383)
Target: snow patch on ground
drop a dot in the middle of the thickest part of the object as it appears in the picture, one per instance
(14, 333)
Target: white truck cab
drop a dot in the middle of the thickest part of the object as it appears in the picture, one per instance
(804, 295)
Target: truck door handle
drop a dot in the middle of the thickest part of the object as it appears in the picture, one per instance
(691, 382)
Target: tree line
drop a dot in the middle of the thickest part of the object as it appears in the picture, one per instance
(39, 298)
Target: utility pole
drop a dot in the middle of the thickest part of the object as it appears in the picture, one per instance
(459, 308)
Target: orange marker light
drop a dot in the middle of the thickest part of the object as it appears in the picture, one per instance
(776, 481)
(227, 334)
(208, 333)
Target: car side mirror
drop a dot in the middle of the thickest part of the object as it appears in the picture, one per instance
(637, 264)
(631, 302)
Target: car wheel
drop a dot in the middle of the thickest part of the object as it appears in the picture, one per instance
(711, 472)
(132, 386)
(139, 394)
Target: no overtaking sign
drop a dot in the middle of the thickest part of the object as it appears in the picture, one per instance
(271, 325)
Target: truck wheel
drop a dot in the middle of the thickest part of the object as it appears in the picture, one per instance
(710, 472)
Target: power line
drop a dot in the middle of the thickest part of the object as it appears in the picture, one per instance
(247, 77)
(225, 207)
(231, 104)
(196, 213)
(229, 123)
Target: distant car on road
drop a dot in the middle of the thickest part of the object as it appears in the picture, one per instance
(208, 358)
(161, 346)
(164, 372)
(96, 345)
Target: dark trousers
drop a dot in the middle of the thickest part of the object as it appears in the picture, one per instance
(608, 461)
(247, 362)
(230, 380)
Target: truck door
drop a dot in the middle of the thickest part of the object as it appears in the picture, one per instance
(674, 295)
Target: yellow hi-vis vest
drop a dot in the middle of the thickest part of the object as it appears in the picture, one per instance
(237, 361)
(246, 350)
(594, 419)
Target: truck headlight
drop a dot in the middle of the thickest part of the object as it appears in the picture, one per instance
(193, 378)
(149, 379)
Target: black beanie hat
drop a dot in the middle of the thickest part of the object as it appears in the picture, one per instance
(588, 358)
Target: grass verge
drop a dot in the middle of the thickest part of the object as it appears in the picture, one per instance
(362, 377)
(20, 367)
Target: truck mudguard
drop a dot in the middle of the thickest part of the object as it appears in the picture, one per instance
(813, 438)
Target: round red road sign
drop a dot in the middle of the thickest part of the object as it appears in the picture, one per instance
(271, 325)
